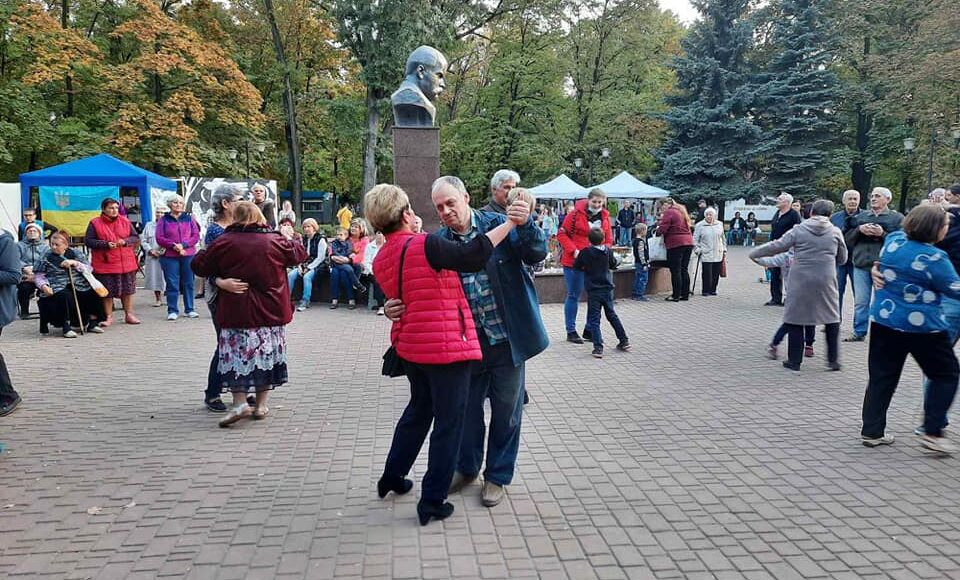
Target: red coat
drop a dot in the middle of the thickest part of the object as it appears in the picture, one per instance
(103, 258)
(674, 229)
(437, 325)
(572, 234)
(259, 257)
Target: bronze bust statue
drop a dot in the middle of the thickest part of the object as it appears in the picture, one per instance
(413, 100)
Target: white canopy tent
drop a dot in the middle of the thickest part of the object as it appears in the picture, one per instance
(626, 186)
(560, 187)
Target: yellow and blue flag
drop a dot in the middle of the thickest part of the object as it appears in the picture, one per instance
(70, 208)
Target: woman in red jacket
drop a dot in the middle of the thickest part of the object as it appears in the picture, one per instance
(435, 338)
(587, 214)
(252, 346)
(674, 226)
(111, 239)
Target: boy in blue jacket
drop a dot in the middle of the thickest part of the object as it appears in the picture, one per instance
(597, 261)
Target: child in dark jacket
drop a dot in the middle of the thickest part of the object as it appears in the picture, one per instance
(641, 262)
(597, 261)
(342, 275)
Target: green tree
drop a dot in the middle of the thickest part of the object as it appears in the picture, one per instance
(796, 96)
(713, 146)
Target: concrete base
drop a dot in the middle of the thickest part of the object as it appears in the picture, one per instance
(552, 290)
(416, 165)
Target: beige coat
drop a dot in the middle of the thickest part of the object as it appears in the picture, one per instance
(710, 241)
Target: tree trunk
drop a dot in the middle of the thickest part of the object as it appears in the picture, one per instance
(295, 179)
(861, 175)
(370, 148)
(68, 79)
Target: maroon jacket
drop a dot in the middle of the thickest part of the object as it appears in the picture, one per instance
(674, 229)
(259, 257)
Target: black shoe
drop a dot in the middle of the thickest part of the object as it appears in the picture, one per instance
(833, 366)
(10, 407)
(773, 303)
(624, 346)
(252, 401)
(431, 509)
(672, 299)
(586, 334)
(526, 398)
(597, 352)
(397, 486)
(792, 366)
(216, 406)
(855, 338)
(44, 329)
(574, 337)
(683, 298)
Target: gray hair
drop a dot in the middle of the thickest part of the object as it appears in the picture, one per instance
(786, 196)
(883, 191)
(710, 211)
(450, 180)
(822, 207)
(503, 175)
(172, 198)
(223, 192)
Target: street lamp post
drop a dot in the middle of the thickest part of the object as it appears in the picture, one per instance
(908, 145)
(232, 154)
(602, 157)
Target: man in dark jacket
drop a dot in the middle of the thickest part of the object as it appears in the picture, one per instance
(845, 220)
(506, 311)
(782, 222)
(500, 185)
(864, 242)
(627, 219)
(951, 245)
(9, 278)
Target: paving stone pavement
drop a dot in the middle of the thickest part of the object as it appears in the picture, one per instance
(691, 457)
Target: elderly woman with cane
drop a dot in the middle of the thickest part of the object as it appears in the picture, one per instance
(711, 248)
(435, 339)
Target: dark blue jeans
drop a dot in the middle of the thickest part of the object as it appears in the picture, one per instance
(179, 279)
(438, 396)
(888, 351)
(342, 279)
(640, 279)
(596, 302)
(844, 273)
(497, 377)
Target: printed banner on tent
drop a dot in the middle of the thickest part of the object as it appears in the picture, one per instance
(70, 208)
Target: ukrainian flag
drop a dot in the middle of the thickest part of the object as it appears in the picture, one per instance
(70, 208)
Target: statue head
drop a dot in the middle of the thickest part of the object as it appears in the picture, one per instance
(427, 65)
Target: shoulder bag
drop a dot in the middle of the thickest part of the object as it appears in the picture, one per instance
(393, 365)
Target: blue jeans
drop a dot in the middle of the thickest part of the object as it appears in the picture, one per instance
(499, 379)
(438, 396)
(862, 293)
(292, 277)
(734, 237)
(640, 279)
(626, 236)
(178, 278)
(603, 301)
(574, 281)
(843, 273)
(343, 279)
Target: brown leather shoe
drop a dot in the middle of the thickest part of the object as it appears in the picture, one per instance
(460, 481)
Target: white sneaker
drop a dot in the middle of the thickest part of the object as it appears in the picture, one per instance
(380, 311)
(172, 316)
(192, 314)
(69, 334)
(301, 307)
(877, 441)
(937, 444)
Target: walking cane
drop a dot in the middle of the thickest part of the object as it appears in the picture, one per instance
(696, 272)
(76, 301)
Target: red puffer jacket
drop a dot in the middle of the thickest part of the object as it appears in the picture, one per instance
(674, 229)
(572, 234)
(259, 257)
(437, 326)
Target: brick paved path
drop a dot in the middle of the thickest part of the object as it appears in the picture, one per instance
(691, 457)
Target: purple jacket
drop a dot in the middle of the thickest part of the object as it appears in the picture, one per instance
(183, 231)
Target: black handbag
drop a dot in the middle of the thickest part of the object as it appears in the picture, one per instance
(393, 365)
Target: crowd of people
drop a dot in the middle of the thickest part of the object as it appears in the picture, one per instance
(464, 309)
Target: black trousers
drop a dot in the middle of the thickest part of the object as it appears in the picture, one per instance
(776, 285)
(710, 276)
(888, 351)
(799, 336)
(678, 259)
(7, 392)
(60, 309)
(25, 291)
(603, 301)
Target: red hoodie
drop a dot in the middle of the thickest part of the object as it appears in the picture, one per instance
(572, 234)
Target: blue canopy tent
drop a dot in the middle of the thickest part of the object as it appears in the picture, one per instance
(101, 171)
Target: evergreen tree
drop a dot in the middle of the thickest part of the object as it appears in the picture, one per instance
(714, 141)
(796, 96)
